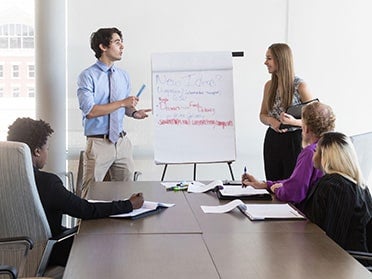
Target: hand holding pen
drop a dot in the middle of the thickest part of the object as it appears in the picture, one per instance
(140, 91)
(136, 200)
(244, 177)
(250, 180)
(141, 113)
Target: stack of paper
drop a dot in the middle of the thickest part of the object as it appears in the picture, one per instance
(233, 192)
(257, 211)
(198, 187)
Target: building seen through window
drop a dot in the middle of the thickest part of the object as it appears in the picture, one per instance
(17, 62)
(16, 36)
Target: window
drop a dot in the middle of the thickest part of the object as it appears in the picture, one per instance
(16, 92)
(15, 71)
(17, 62)
(16, 36)
(31, 71)
(31, 92)
(27, 37)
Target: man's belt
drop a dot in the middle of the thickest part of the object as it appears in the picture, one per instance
(121, 135)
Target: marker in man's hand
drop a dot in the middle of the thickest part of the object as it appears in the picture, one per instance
(140, 91)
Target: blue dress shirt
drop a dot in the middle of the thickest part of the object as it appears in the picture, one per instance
(93, 89)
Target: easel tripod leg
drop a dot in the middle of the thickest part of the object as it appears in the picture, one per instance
(164, 171)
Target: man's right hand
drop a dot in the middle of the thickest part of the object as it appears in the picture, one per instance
(136, 200)
(130, 102)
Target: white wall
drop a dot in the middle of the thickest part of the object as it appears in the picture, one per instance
(332, 47)
(329, 40)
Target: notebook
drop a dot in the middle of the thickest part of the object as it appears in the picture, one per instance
(148, 208)
(296, 112)
(271, 212)
(238, 192)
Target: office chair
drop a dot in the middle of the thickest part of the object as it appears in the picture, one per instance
(11, 265)
(12, 268)
(10, 271)
(363, 147)
(363, 257)
(21, 211)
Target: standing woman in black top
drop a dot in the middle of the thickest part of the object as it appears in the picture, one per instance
(340, 203)
(281, 146)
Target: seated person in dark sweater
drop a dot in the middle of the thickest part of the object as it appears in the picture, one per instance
(340, 203)
(55, 198)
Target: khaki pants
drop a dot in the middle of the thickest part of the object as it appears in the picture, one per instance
(102, 156)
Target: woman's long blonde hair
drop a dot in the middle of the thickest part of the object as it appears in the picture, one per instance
(338, 155)
(283, 78)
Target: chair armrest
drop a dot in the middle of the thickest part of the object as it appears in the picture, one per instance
(49, 247)
(360, 255)
(65, 234)
(9, 270)
(18, 240)
(364, 258)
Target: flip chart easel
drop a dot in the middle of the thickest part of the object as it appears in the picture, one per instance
(194, 176)
(193, 108)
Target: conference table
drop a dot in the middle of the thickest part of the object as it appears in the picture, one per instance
(184, 242)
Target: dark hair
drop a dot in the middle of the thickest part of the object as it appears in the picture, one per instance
(34, 133)
(102, 36)
(330, 138)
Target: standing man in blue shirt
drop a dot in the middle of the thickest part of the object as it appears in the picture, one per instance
(103, 93)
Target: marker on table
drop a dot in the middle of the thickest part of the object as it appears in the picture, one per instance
(140, 91)
(177, 188)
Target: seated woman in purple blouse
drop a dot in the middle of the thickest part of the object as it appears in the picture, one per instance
(317, 118)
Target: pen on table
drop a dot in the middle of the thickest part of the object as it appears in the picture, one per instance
(140, 91)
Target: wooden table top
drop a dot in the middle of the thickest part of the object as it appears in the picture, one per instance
(184, 242)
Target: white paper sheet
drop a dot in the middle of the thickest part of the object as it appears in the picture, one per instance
(147, 206)
(198, 187)
(222, 208)
(240, 191)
